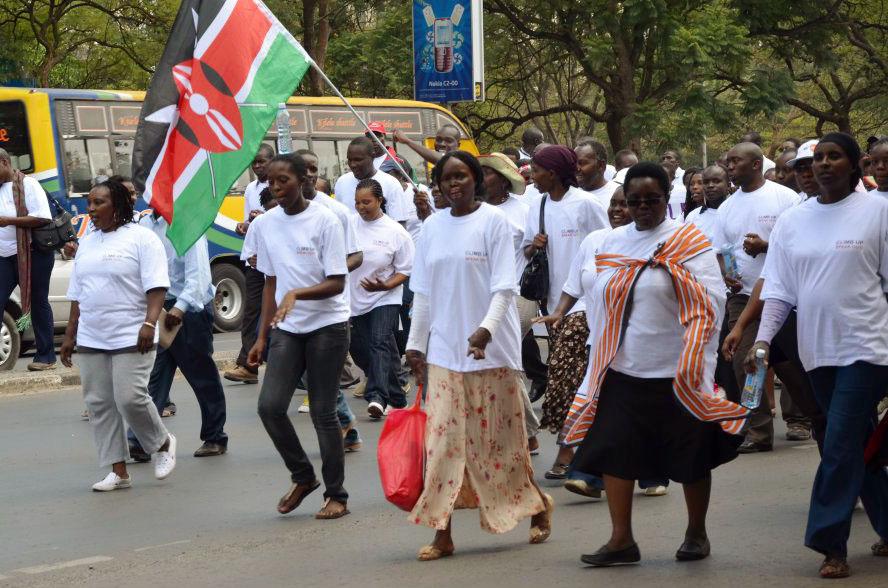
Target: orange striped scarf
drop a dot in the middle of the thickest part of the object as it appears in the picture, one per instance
(695, 312)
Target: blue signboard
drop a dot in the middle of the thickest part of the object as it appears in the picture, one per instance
(442, 51)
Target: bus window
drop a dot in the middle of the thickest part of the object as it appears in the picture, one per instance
(420, 168)
(14, 135)
(329, 163)
(342, 156)
(99, 159)
(77, 166)
(123, 157)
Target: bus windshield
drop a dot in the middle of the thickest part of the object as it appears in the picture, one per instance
(14, 135)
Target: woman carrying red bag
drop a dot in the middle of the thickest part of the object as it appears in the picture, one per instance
(476, 444)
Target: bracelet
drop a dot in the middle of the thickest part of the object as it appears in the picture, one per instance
(147, 324)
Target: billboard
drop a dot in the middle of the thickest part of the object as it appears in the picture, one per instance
(448, 50)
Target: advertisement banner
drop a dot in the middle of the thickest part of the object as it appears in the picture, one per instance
(448, 51)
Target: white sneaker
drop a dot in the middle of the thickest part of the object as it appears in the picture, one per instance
(387, 410)
(165, 461)
(375, 411)
(112, 482)
(656, 491)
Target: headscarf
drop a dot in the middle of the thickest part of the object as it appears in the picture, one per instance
(851, 149)
(23, 251)
(560, 160)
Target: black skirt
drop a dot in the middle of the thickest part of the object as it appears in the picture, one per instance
(641, 432)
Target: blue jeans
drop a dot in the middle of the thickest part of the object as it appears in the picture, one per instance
(42, 263)
(192, 352)
(848, 396)
(375, 351)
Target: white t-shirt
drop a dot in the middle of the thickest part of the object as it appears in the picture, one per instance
(515, 210)
(677, 197)
(609, 172)
(620, 176)
(568, 221)
(603, 194)
(461, 262)
(751, 212)
(531, 192)
(830, 261)
(583, 271)
(767, 164)
(346, 219)
(705, 220)
(878, 193)
(252, 196)
(414, 225)
(112, 272)
(653, 338)
(248, 249)
(388, 250)
(302, 250)
(395, 201)
(36, 203)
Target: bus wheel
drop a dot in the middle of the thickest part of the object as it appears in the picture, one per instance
(228, 304)
(10, 343)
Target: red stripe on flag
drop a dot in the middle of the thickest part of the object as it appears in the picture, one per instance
(179, 153)
(235, 48)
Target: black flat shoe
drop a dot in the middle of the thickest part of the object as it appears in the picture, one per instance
(558, 472)
(604, 557)
(693, 550)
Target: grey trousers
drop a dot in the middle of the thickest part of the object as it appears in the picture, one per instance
(527, 311)
(115, 388)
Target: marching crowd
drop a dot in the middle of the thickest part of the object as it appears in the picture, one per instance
(656, 284)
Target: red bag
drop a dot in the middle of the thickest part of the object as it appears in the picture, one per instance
(401, 454)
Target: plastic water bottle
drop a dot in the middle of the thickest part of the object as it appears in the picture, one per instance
(284, 138)
(727, 253)
(755, 383)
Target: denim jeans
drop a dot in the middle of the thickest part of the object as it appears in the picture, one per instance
(848, 395)
(42, 263)
(192, 352)
(375, 351)
(289, 353)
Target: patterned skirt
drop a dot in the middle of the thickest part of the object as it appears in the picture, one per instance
(476, 450)
(568, 360)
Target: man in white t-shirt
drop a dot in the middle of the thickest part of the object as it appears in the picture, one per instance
(623, 160)
(802, 166)
(671, 162)
(383, 151)
(745, 222)
(756, 138)
(591, 165)
(360, 162)
(255, 280)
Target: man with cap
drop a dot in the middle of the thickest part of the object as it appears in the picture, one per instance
(381, 152)
(802, 167)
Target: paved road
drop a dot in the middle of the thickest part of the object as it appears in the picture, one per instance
(213, 523)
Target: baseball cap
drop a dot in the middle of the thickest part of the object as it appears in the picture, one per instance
(378, 127)
(805, 151)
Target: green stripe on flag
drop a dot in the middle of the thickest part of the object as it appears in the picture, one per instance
(276, 79)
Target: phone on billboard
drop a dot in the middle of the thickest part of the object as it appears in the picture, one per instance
(443, 45)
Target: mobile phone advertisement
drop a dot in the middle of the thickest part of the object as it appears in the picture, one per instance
(444, 51)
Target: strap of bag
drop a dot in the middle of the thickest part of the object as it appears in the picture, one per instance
(543, 215)
(417, 404)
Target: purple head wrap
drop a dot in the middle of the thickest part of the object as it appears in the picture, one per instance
(560, 160)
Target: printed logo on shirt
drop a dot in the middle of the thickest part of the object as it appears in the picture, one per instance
(849, 245)
(380, 243)
(570, 233)
(305, 251)
(476, 255)
(767, 220)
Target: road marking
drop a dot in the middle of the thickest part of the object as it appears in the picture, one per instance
(64, 564)
(183, 541)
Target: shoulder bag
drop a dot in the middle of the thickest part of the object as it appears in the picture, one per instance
(535, 278)
(58, 231)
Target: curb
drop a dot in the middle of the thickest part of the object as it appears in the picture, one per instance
(14, 383)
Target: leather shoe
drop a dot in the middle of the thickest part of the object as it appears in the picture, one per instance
(753, 447)
(604, 557)
(692, 550)
(537, 390)
(138, 454)
(209, 449)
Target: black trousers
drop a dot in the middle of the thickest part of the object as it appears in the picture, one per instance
(252, 310)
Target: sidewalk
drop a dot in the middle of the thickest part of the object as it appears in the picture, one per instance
(17, 382)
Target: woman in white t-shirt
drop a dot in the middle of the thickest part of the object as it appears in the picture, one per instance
(465, 336)
(655, 306)
(878, 154)
(828, 257)
(300, 247)
(117, 290)
(376, 289)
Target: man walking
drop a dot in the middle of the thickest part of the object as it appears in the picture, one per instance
(189, 306)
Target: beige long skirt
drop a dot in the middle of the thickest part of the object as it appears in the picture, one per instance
(476, 450)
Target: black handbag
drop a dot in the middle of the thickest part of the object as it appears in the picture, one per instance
(534, 283)
(53, 235)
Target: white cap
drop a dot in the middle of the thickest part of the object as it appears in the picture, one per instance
(806, 151)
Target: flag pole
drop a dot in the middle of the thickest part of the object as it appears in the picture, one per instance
(363, 122)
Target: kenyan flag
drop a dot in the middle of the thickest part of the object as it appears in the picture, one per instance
(226, 67)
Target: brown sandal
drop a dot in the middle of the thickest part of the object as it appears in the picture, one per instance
(834, 567)
(540, 532)
(326, 514)
(295, 495)
(431, 553)
(880, 549)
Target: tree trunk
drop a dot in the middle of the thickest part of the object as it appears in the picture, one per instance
(316, 37)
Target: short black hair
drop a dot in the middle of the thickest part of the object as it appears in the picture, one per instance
(852, 152)
(363, 142)
(295, 162)
(121, 202)
(266, 149)
(599, 148)
(511, 151)
(451, 126)
(119, 178)
(307, 152)
(468, 159)
(648, 169)
(374, 187)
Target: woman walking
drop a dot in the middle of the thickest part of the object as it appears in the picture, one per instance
(828, 259)
(117, 290)
(300, 247)
(650, 412)
(376, 289)
(476, 445)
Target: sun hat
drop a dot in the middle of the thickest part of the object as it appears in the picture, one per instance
(805, 151)
(500, 163)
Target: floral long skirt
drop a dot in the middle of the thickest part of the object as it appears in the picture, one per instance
(568, 360)
(476, 450)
